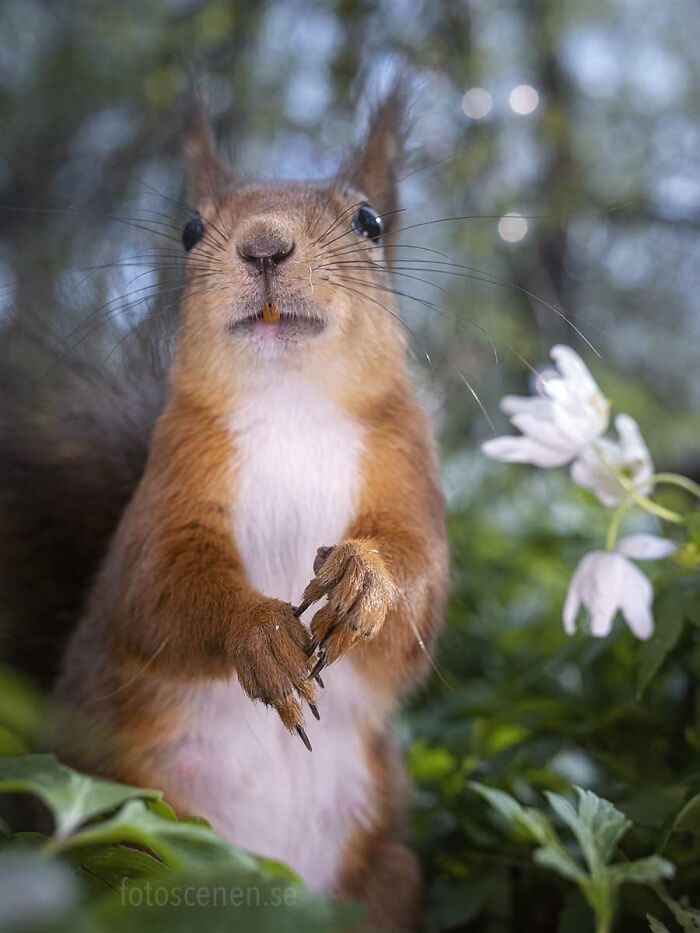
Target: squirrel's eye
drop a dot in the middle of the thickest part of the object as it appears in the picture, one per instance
(368, 223)
(192, 232)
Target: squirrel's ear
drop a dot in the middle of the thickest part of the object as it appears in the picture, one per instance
(375, 164)
(206, 176)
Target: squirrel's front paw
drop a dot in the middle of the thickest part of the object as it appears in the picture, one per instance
(360, 593)
(271, 654)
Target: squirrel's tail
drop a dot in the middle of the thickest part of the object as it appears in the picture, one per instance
(75, 426)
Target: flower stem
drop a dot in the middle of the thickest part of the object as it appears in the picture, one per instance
(675, 479)
(634, 497)
(655, 509)
(614, 526)
(648, 504)
(645, 502)
(603, 921)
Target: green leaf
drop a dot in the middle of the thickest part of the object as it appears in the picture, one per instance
(656, 926)
(561, 862)
(276, 869)
(688, 820)
(597, 825)
(72, 798)
(11, 744)
(221, 903)
(182, 845)
(669, 626)
(680, 596)
(692, 522)
(106, 868)
(536, 826)
(164, 810)
(607, 824)
(430, 763)
(687, 917)
(642, 871)
(529, 821)
(22, 708)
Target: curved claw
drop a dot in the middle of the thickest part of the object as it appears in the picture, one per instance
(320, 664)
(302, 607)
(311, 649)
(304, 737)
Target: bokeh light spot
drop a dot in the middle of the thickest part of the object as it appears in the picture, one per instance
(512, 227)
(524, 99)
(477, 103)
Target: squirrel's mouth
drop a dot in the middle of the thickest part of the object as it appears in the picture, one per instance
(274, 321)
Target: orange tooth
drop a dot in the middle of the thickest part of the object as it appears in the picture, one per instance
(270, 312)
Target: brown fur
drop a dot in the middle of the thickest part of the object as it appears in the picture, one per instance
(172, 605)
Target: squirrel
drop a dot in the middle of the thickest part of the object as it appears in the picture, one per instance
(269, 552)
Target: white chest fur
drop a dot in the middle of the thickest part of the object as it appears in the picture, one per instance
(297, 482)
(296, 489)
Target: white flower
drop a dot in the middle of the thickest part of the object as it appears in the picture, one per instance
(557, 424)
(606, 581)
(594, 467)
(646, 547)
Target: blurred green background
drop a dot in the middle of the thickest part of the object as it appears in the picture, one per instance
(583, 119)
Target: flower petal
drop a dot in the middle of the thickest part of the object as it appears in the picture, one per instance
(602, 616)
(635, 453)
(630, 436)
(637, 596)
(544, 432)
(583, 420)
(606, 582)
(581, 586)
(584, 471)
(572, 604)
(603, 575)
(590, 471)
(646, 547)
(568, 413)
(640, 620)
(572, 368)
(512, 449)
(577, 392)
(515, 404)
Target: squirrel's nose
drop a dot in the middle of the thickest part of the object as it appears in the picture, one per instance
(265, 249)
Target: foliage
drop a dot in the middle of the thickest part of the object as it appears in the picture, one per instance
(597, 826)
(119, 859)
(522, 709)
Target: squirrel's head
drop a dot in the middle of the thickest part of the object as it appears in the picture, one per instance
(294, 273)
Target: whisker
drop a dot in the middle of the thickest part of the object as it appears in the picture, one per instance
(113, 313)
(180, 202)
(331, 189)
(480, 275)
(351, 250)
(458, 372)
(458, 319)
(398, 210)
(104, 313)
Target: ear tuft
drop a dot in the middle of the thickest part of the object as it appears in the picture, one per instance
(375, 165)
(206, 176)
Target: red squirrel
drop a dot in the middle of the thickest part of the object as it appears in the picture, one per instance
(277, 579)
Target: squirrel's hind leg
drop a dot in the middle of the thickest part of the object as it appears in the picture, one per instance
(380, 871)
(389, 883)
